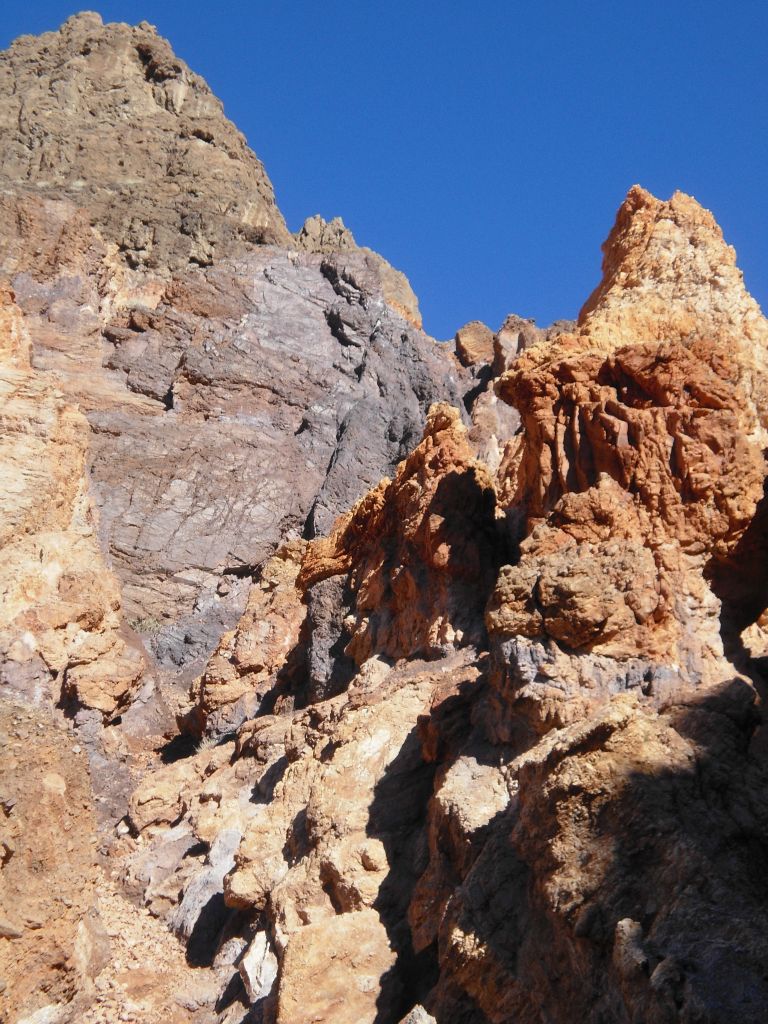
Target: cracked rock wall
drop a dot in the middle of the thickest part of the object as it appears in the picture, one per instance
(343, 676)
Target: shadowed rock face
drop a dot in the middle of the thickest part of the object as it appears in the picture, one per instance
(479, 742)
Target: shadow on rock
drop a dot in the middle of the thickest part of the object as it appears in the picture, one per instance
(631, 883)
(398, 819)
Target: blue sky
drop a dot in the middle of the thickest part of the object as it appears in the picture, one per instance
(484, 147)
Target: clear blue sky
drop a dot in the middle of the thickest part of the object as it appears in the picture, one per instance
(483, 147)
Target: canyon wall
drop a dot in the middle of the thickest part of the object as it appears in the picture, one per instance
(347, 676)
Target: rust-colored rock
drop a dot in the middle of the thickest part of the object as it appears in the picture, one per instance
(530, 788)
(420, 550)
(638, 468)
(487, 747)
(635, 488)
(667, 422)
(60, 605)
(53, 943)
(668, 275)
(247, 660)
(342, 989)
(474, 343)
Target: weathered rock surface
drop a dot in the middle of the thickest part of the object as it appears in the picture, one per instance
(318, 235)
(476, 692)
(53, 944)
(474, 343)
(406, 573)
(546, 862)
(108, 116)
(246, 664)
(611, 643)
(204, 361)
(282, 367)
(487, 356)
(420, 550)
(60, 626)
(637, 469)
(668, 275)
(208, 385)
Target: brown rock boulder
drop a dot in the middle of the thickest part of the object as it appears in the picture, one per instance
(474, 343)
(342, 989)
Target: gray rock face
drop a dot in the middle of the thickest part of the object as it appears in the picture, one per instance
(157, 872)
(329, 670)
(289, 390)
(534, 683)
(321, 236)
(234, 401)
(258, 968)
(203, 897)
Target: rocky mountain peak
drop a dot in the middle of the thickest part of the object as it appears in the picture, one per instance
(109, 116)
(668, 274)
(322, 236)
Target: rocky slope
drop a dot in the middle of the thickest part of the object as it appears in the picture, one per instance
(234, 390)
(467, 652)
(60, 625)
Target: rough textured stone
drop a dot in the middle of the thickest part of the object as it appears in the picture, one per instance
(263, 366)
(60, 609)
(418, 1015)
(258, 968)
(248, 659)
(318, 235)
(52, 941)
(632, 883)
(474, 343)
(514, 781)
(482, 741)
(344, 989)
(132, 220)
(419, 550)
(110, 114)
(668, 275)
